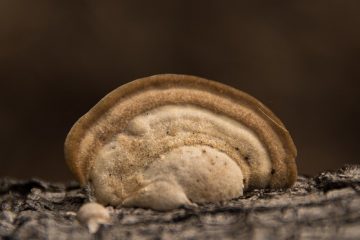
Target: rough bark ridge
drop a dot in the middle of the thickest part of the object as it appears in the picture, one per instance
(326, 206)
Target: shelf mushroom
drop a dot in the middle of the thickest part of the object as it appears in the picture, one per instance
(175, 140)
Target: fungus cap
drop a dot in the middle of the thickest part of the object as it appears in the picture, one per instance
(92, 215)
(184, 131)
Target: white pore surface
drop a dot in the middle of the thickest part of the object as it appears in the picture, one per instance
(176, 155)
(188, 174)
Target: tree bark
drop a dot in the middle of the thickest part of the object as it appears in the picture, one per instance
(323, 207)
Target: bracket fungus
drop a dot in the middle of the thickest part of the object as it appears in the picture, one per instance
(175, 140)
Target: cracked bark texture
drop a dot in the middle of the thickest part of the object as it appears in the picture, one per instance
(323, 207)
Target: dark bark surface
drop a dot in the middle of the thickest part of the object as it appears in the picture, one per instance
(323, 207)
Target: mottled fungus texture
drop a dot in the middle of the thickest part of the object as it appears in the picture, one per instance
(169, 140)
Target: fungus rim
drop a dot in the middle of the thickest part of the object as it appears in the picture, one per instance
(166, 81)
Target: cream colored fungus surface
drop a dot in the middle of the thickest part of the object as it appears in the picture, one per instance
(177, 155)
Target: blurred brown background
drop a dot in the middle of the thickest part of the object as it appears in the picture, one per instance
(58, 58)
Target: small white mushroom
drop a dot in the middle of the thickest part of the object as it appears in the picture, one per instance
(172, 140)
(92, 215)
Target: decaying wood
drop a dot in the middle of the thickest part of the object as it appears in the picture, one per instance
(323, 207)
